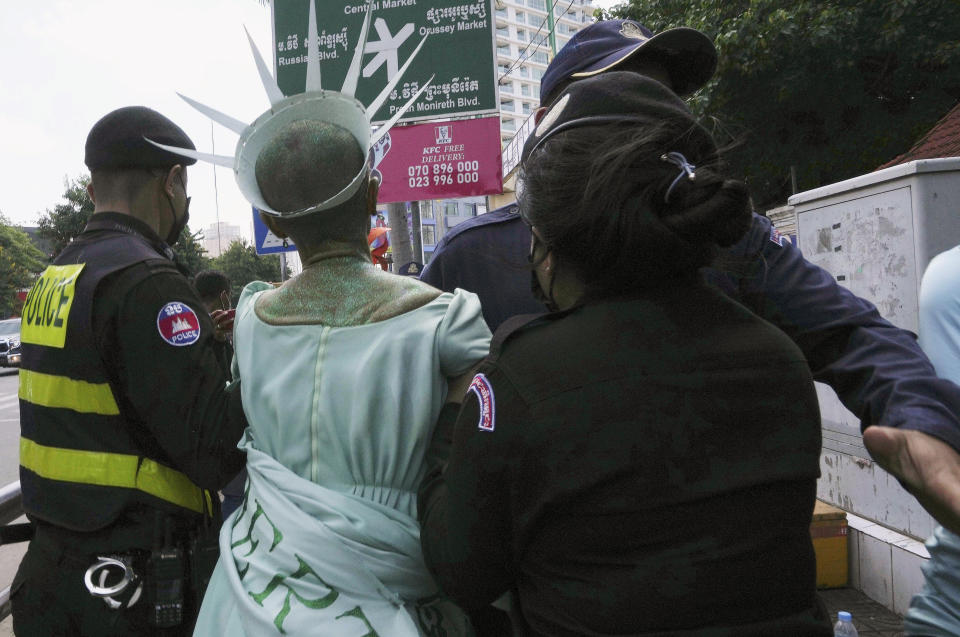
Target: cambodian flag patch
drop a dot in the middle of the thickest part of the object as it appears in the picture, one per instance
(178, 324)
(484, 391)
(776, 237)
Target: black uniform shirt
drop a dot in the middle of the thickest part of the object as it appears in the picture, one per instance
(635, 466)
(173, 394)
(487, 254)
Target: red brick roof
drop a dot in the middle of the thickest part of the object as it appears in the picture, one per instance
(943, 140)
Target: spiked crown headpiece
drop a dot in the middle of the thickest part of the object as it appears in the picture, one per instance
(339, 108)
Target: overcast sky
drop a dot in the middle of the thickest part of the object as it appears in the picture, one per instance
(68, 63)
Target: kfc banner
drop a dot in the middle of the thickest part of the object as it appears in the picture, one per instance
(440, 160)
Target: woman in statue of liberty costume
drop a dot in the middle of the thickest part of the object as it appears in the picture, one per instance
(344, 373)
(345, 369)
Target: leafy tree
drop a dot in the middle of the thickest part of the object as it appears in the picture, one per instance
(20, 262)
(67, 220)
(833, 88)
(190, 252)
(241, 263)
(60, 225)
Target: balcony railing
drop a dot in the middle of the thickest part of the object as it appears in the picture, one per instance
(513, 149)
(11, 508)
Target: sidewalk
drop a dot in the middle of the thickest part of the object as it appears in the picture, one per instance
(870, 618)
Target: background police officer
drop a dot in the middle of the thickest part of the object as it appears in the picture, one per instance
(126, 424)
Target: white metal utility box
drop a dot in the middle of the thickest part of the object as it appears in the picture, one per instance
(876, 234)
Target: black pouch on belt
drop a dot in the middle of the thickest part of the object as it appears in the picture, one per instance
(166, 572)
(204, 553)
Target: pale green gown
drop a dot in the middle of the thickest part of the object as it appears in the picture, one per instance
(327, 540)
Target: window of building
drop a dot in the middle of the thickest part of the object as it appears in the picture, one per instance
(503, 69)
(503, 32)
(450, 208)
(525, 107)
(504, 50)
(521, 17)
(507, 105)
(524, 89)
(502, 13)
(524, 71)
(537, 74)
(539, 5)
(429, 235)
(482, 208)
(507, 125)
(540, 56)
(426, 210)
(522, 35)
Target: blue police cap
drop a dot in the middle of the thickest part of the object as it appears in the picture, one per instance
(687, 55)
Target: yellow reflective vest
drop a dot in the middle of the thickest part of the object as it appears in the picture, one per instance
(80, 463)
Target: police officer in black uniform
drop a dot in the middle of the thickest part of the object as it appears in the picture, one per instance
(605, 452)
(127, 427)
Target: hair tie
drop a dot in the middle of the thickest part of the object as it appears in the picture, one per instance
(686, 168)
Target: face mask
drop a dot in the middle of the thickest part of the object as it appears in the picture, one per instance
(178, 224)
(544, 297)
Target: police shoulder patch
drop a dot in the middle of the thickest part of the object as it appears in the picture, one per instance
(776, 237)
(484, 391)
(178, 324)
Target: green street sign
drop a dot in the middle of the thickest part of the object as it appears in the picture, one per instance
(458, 52)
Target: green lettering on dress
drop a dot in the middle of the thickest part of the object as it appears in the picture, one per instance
(277, 535)
(357, 612)
(281, 580)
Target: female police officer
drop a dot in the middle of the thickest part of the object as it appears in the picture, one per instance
(643, 459)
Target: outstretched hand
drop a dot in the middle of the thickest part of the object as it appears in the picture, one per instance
(926, 466)
(223, 321)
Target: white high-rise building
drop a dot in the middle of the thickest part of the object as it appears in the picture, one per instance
(524, 50)
(218, 236)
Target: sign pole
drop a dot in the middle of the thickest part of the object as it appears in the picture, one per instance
(399, 233)
(553, 25)
(416, 234)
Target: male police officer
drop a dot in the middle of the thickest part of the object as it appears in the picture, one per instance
(126, 425)
(878, 370)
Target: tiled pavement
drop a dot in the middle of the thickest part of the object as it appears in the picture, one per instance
(870, 618)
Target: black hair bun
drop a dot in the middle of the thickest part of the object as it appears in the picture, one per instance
(713, 213)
